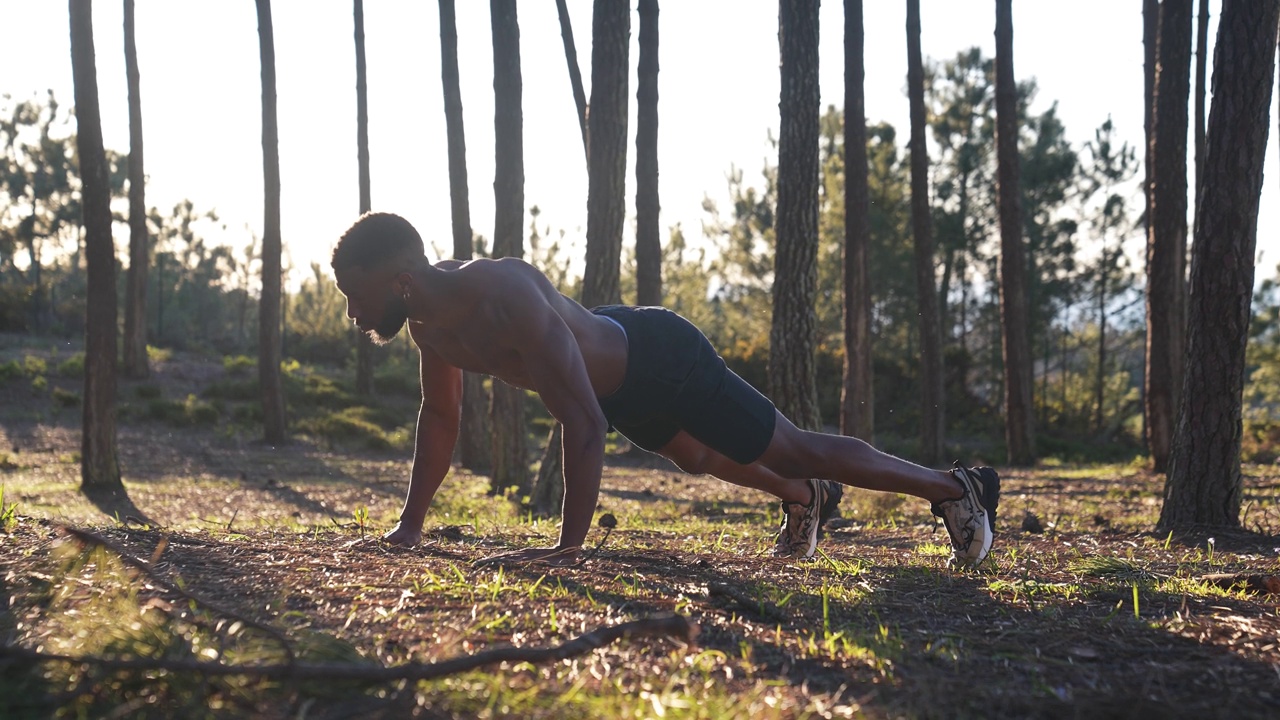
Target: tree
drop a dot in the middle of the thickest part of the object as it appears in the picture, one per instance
(575, 75)
(857, 406)
(932, 410)
(1202, 53)
(1204, 486)
(99, 456)
(607, 134)
(473, 436)
(364, 346)
(273, 420)
(1167, 229)
(1015, 343)
(648, 244)
(510, 468)
(135, 308)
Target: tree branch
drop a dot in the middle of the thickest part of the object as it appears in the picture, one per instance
(675, 626)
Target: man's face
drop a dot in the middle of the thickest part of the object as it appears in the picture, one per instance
(372, 302)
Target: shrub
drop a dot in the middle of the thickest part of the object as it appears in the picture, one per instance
(147, 392)
(238, 364)
(72, 366)
(65, 398)
(33, 365)
(10, 371)
(349, 426)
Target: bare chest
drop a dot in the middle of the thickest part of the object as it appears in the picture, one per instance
(471, 348)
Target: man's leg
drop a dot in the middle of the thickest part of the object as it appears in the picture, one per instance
(802, 454)
(695, 457)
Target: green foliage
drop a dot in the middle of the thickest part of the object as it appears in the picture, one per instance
(39, 384)
(10, 371)
(239, 365)
(65, 398)
(148, 391)
(33, 365)
(8, 510)
(72, 367)
(189, 412)
(352, 426)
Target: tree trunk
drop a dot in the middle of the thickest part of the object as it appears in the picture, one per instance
(1150, 38)
(1167, 231)
(99, 456)
(793, 336)
(364, 346)
(575, 75)
(1204, 485)
(1016, 346)
(648, 244)
(607, 129)
(273, 420)
(932, 410)
(857, 396)
(1202, 52)
(135, 309)
(474, 436)
(510, 466)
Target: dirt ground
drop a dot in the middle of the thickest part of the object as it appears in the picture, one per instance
(1079, 612)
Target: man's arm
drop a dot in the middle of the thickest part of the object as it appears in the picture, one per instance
(434, 439)
(553, 362)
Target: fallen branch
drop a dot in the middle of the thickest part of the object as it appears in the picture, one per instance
(91, 538)
(675, 626)
(1250, 582)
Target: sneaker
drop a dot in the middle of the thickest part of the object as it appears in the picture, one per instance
(798, 536)
(971, 518)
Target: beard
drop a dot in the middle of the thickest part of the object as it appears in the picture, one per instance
(393, 318)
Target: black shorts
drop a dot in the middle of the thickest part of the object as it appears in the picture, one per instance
(676, 381)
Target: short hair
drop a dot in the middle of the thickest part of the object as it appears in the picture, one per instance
(374, 239)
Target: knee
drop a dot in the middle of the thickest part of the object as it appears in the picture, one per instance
(695, 461)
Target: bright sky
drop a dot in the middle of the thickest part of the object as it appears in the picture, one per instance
(718, 99)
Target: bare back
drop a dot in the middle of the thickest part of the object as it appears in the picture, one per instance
(491, 316)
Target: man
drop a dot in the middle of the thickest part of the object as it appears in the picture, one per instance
(646, 372)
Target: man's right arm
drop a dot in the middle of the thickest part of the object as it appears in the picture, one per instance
(434, 440)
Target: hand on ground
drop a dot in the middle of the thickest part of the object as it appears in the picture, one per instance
(403, 535)
(559, 557)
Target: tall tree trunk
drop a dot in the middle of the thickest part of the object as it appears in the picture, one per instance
(793, 336)
(510, 465)
(648, 244)
(548, 495)
(1204, 485)
(473, 437)
(269, 340)
(1150, 39)
(1167, 233)
(364, 346)
(607, 130)
(99, 456)
(1100, 380)
(575, 75)
(1202, 52)
(1016, 345)
(857, 396)
(932, 410)
(135, 309)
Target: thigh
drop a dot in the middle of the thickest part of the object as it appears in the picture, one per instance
(728, 415)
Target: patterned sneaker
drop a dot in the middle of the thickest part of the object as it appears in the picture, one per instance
(971, 518)
(798, 536)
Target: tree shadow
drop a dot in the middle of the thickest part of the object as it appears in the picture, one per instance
(115, 503)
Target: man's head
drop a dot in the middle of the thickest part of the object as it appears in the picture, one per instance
(371, 263)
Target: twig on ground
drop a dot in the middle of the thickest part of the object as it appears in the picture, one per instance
(760, 607)
(85, 536)
(675, 626)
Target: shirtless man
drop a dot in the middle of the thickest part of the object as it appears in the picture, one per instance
(646, 372)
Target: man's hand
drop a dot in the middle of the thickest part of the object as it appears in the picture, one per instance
(403, 534)
(555, 556)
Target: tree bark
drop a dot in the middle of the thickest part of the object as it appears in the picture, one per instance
(857, 397)
(793, 336)
(364, 346)
(1167, 230)
(607, 129)
(135, 309)
(474, 436)
(510, 464)
(1202, 53)
(99, 455)
(932, 410)
(269, 340)
(1204, 485)
(648, 242)
(575, 75)
(1016, 345)
(1150, 38)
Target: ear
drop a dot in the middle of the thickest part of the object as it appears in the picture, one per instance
(403, 283)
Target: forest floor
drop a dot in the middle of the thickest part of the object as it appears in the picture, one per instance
(231, 552)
